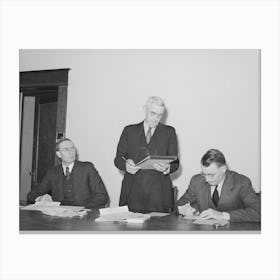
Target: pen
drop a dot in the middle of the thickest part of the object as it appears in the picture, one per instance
(127, 161)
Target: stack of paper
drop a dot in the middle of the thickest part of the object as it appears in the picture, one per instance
(121, 214)
(54, 209)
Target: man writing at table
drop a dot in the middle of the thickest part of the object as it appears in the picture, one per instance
(220, 193)
(72, 182)
(147, 190)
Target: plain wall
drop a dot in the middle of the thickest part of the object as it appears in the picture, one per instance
(212, 98)
(26, 145)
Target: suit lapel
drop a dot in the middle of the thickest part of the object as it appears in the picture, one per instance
(75, 176)
(59, 181)
(155, 140)
(226, 189)
(208, 197)
(138, 153)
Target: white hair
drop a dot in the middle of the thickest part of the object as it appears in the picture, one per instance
(154, 100)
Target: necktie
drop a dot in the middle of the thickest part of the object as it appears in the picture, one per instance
(67, 173)
(149, 135)
(215, 196)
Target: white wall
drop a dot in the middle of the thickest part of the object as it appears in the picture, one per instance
(26, 145)
(212, 98)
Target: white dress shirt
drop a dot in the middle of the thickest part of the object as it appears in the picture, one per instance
(146, 127)
(219, 188)
(70, 168)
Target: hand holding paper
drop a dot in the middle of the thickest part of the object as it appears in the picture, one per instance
(211, 214)
(131, 167)
(45, 197)
(161, 167)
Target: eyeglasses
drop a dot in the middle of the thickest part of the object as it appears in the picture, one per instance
(211, 176)
(70, 149)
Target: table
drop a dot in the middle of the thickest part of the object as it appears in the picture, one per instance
(36, 221)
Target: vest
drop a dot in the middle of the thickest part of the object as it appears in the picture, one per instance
(67, 191)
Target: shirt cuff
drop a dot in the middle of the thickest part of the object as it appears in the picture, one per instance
(226, 215)
(167, 170)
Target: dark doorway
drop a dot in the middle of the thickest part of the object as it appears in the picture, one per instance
(43, 96)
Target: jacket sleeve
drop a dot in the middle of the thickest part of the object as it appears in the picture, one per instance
(40, 189)
(99, 196)
(122, 151)
(189, 195)
(173, 150)
(252, 205)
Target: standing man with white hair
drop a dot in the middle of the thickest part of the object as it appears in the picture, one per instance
(147, 190)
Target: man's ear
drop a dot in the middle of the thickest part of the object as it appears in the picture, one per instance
(58, 154)
(224, 168)
(144, 109)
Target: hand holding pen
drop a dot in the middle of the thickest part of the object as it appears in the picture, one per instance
(130, 166)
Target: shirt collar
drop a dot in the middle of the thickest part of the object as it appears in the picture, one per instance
(70, 167)
(146, 127)
(219, 188)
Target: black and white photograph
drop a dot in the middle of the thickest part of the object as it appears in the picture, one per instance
(139, 139)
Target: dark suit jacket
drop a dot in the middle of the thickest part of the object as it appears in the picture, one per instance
(238, 198)
(164, 143)
(88, 188)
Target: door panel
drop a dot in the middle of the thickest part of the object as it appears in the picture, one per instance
(46, 139)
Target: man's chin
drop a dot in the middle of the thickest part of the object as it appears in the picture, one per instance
(153, 125)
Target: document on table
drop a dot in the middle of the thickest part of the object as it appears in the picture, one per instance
(200, 221)
(121, 214)
(158, 214)
(193, 217)
(210, 222)
(54, 209)
(41, 204)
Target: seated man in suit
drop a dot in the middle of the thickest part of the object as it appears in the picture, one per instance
(72, 182)
(220, 193)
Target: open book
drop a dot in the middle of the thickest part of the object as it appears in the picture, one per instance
(149, 161)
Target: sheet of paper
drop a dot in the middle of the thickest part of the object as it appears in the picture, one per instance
(62, 212)
(121, 217)
(121, 214)
(38, 206)
(190, 217)
(136, 220)
(113, 210)
(210, 222)
(73, 208)
(54, 209)
(157, 214)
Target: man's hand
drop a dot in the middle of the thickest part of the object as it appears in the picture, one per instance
(164, 168)
(186, 210)
(130, 166)
(45, 198)
(213, 214)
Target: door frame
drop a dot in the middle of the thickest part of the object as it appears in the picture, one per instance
(32, 80)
